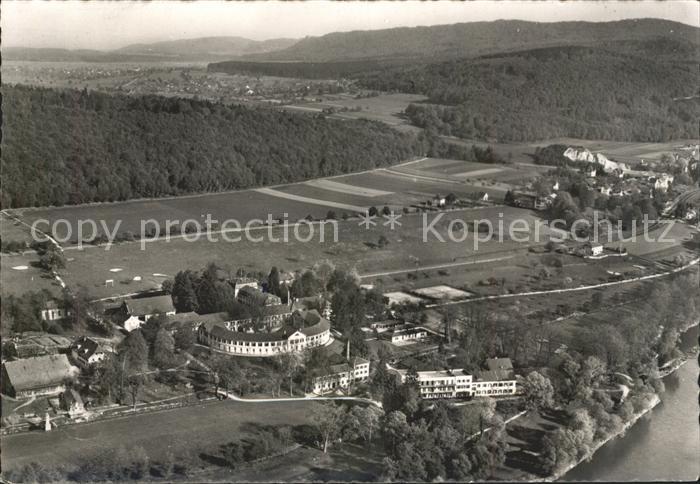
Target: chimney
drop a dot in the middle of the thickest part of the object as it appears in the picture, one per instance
(347, 352)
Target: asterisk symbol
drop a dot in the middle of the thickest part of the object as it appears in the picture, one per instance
(367, 220)
(392, 220)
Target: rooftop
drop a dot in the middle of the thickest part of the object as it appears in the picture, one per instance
(149, 305)
(38, 372)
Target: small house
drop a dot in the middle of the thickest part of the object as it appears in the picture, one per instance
(53, 312)
(71, 402)
(86, 352)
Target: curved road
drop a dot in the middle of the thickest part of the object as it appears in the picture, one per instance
(236, 398)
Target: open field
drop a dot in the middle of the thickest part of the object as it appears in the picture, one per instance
(18, 275)
(387, 108)
(202, 427)
(345, 193)
(398, 266)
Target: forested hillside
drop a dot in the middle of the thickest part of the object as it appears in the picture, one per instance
(442, 42)
(578, 92)
(70, 147)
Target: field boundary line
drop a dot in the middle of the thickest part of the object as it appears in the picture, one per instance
(438, 266)
(313, 201)
(570, 289)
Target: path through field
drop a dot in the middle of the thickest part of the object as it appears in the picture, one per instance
(313, 201)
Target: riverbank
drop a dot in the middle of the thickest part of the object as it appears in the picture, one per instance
(562, 472)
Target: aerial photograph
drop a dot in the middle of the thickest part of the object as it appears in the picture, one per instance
(349, 241)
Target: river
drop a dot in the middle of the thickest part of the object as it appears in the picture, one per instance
(664, 444)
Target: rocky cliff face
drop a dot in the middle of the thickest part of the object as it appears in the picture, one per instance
(585, 156)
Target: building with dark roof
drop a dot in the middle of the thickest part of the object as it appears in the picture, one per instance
(42, 375)
(86, 352)
(253, 296)
(305, 330)
(138, 311)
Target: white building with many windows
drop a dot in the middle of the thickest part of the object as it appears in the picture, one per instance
(305, 330)
(340, 377)
(498, 380)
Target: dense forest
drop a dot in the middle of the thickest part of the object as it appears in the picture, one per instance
(70, 147)
(565, 91)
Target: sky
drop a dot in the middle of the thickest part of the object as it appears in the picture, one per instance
(110, 25)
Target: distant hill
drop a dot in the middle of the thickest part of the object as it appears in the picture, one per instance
(442, 42)
(187, 50)
(208, 47)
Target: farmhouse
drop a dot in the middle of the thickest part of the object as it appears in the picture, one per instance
(342, 376)
(42, 375)
(305, 330)
(86, 352)
(138, 311)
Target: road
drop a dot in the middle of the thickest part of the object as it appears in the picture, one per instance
(307, 398)
(570, 289)
(690, 196)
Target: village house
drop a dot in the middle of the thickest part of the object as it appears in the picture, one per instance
(72, 403)
(53, 312)
(138, 311)
(41, 375)
(86, 352)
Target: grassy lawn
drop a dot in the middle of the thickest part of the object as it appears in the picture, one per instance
(183, 431)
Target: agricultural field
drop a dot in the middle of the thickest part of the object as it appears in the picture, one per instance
(343, 194)
(387, 108)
